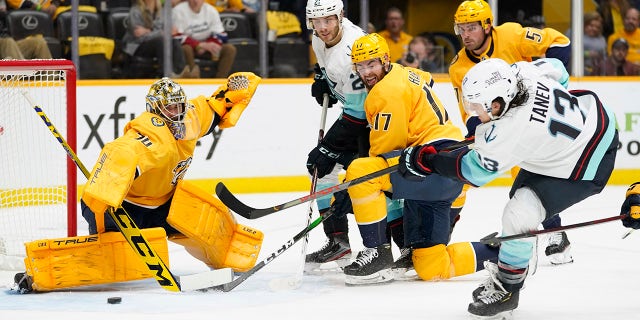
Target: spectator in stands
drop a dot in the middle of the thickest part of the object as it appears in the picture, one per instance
(230, 6)
(616, 64)
(252, 5)
(33, 47)
(611, 12)
(48, 6)
(144, 36)
(595, 45)
(424, 54)
(371, 28)
(203, 35)
(629, 33)
(396, 38)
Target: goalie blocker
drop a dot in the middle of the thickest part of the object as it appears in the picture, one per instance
(208, 231)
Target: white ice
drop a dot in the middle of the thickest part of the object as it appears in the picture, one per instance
(602, 283)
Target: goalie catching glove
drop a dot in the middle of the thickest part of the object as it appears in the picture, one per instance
(631, 207)
(233, 97)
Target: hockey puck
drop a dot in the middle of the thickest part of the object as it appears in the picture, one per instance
(114, 300)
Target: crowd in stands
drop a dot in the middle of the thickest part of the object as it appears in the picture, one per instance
(130, 39)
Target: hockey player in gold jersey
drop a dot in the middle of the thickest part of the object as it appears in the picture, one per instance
(403, 110)
(473, 22)
(141, 172)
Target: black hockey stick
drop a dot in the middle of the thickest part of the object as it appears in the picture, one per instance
(493, 240)
(301, 235)
(248, 212)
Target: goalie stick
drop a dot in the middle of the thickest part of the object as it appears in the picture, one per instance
(248, 212)
(132, 233)
(491, 239)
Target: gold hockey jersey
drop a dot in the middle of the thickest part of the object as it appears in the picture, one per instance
(403, 110)
(510, 42)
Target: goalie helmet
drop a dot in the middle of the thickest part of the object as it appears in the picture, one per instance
(167, 99)
(487, 81)
(322, 8)
(369, 47)
(473, 11)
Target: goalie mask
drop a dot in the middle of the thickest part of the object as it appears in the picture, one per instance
(486, 82)
(167, 99)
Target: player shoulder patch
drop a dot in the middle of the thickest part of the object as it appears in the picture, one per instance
(157, 122)
(454, 59)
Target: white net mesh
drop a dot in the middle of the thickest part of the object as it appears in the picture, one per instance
(33, 167)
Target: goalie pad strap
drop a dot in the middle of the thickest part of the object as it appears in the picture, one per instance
(89, 260)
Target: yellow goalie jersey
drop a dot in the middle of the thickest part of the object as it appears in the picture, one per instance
(510, 42)
(145, 164)
(403, 110)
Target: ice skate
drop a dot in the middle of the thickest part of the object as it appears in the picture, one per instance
(491, 300)
(22, 283)
(372, 266)
(332, 257)
(559, 248)
(403, 267)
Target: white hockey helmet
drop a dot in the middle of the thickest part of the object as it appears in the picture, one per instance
(486, 81)
(322, 8)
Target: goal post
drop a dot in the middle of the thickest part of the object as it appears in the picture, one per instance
(38, 182)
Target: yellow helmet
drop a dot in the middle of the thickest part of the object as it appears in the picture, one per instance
(369, 47)
(473, 11)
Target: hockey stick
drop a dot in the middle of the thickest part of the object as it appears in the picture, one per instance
(302, 234)
(248, 212)
(288, 283)
(129, 229)
(493, 240)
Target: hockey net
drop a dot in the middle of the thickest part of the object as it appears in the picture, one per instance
(38, 197)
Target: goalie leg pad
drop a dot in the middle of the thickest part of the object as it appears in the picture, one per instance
(368, 199)
(215, 237)
(89, 260)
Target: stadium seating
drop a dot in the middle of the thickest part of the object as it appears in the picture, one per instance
(291, 53)
(92, 66)
(24, 23)
(241, 28)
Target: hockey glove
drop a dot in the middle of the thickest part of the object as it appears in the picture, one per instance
(414, 162)
(341, 204)
(631, 207)
(325, 158)
(471, 125)
(320, 86)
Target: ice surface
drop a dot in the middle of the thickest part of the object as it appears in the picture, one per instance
(602, 283)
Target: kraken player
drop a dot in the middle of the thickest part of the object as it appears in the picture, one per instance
(564, 142)
(142, 172)
(333, 35)
(403, 110)
(473, 22)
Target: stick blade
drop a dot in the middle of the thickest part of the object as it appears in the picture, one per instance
(238, 207)
(232, 202)
(490, 239)
(206, 280)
